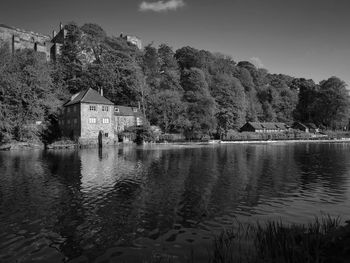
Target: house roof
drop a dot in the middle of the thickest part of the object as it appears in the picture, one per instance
(127, 111)
(306, 125)
(311, 125)
(88, 96)
(268, 125)
(300, 124)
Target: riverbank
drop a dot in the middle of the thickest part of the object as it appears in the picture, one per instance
(73, 145)
(21, 146)
(289, 141)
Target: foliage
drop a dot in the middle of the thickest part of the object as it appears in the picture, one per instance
(332, 104)
(141, 134)
(27, 94)
(230, 99)
(189, 91)
(201, 106)
(326, 104)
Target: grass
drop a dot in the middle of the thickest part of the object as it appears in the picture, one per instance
(321, 241)
(276, 242)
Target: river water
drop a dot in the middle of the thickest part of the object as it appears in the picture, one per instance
(122, 204)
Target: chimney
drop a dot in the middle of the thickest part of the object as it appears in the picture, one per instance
(61, 26)
(101, 92)
(53, 34)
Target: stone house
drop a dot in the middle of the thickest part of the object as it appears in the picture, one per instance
(88, 113)
(85, 115)
(264, 127)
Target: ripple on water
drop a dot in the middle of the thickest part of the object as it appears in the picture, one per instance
(129, 202)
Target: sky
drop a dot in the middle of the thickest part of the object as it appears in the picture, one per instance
(301, 38)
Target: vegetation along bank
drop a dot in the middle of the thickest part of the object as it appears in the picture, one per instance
(195, 93)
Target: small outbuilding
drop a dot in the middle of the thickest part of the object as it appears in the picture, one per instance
(305, 127)
(264, 127)
(313, 128)
(299, 126)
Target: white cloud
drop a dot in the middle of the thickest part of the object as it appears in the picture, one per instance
(161, 6)
(257, 62)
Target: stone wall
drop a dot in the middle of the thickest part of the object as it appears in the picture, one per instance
(18, 39)
(91, 130)
(70, 121)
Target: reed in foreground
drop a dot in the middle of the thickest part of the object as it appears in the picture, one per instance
(321, 241)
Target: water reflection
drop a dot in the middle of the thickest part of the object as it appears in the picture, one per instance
(61, 205)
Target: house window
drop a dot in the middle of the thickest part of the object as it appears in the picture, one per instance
(138, 121)
(74, 108)
(116, 109)
(68, 109)
(92, 107)
(134, 109)
(75, 121)
(105, 108)
(92, 120)
(106, 134)
(105, 120)
(68, 122)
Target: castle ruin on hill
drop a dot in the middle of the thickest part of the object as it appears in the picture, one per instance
(48, 46)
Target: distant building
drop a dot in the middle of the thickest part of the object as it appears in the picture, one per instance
(18, 39)
(57, 42)
(299, 126)
(307, 127)
(86, 56)
(264, 127)
(49, 46)
(88, 113)
(133, 40)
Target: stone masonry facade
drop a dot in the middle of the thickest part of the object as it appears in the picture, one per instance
(18, 39)
(94, 121)
(70, 121)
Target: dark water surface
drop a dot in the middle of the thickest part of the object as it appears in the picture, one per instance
(121, 204)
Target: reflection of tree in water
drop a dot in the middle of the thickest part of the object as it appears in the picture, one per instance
(273, 170)
(161, 191)
(96, 200)
(200, 179)
(232, 178)
(325, 165)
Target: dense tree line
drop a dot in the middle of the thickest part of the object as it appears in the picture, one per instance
(189, 91)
